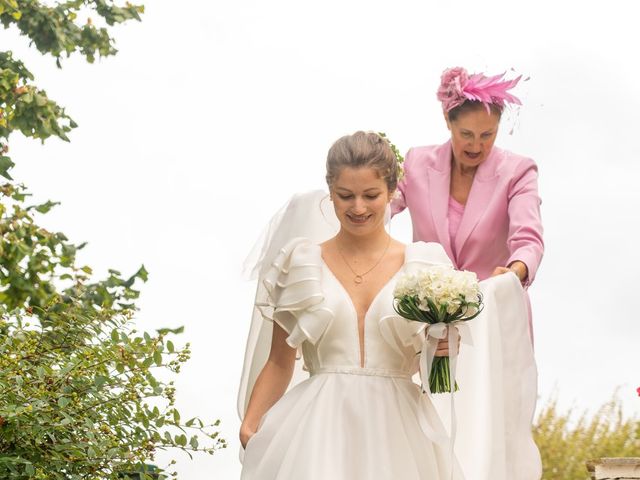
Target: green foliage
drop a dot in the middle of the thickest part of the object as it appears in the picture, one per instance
(398, 155)
(78, 394)
(25, 108)
(83, 395)
(53, 30)
(566, 444)
(34, 263)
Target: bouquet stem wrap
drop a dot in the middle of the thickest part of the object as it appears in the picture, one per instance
(434, 333)
(430, 364)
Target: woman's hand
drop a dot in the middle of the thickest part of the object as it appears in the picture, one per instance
(517, 267)
(442, 350)
(499, 271)
(245, 435)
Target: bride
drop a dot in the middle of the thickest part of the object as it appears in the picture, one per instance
(359, 415)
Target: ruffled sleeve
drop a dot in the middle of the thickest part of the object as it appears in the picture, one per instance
(294, 298)
(399, 331)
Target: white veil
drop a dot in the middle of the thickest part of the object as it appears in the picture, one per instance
(308, 215)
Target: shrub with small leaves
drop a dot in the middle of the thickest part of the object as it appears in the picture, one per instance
(79, 392)
(567, 443)
(83, 394)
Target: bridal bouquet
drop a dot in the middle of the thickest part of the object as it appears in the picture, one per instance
(438, 296)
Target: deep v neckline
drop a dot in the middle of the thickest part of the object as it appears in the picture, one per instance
(375, 297)
(362, 353)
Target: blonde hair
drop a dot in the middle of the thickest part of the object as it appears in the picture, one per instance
(363, 150)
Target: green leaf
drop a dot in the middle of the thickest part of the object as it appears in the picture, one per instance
(157, 357)
(175, 331)
(194, 442)
(142, 274)
(115, 337)
(63, 402)
(181, 440)
(99, 381)
(40, 99)
(5, 165)
(170, 346)
(45, 207)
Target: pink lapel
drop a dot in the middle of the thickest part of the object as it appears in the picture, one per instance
(439, 185)
(482, 190)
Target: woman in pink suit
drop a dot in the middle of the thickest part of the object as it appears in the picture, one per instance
(479, 201)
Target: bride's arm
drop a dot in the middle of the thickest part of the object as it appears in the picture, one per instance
(270, 384)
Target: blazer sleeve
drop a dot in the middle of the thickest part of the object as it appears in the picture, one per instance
(524, 240)
(399, 202)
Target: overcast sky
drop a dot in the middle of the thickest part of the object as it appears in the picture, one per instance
(214, 113)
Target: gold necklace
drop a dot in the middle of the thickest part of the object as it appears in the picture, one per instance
(359, 277)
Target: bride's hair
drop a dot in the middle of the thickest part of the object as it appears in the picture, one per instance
(363, 149)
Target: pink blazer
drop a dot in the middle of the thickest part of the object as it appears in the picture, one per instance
(501, 221)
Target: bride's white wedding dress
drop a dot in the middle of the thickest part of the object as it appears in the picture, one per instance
(350, 422)
(346, 421)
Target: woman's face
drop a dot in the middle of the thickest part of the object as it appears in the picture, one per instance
(360, 197)
(472, 136)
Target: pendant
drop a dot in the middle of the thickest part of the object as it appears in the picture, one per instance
(358, 279)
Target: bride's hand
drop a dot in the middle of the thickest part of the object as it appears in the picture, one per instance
(245, 435)
(442, 350)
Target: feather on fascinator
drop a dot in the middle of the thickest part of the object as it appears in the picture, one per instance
(457, 86)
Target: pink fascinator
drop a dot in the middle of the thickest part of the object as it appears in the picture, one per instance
(457, 86)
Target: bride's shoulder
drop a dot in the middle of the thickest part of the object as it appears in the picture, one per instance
(300, 249)
(397, 249)
(426, 252)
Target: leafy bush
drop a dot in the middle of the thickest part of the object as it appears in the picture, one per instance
(83, 395)
(566, 444)
(78, 394)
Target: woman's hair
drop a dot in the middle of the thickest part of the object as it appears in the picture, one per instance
(363, 150)
(472, 106)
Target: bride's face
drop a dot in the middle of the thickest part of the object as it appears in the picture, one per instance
(360, 197)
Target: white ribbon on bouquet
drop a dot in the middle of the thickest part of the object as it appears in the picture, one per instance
(434, 333)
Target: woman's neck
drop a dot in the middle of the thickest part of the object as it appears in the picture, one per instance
(462, 170)
(362, 243)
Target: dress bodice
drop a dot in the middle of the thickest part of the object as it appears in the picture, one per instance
(310, 303)
(340, 344)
